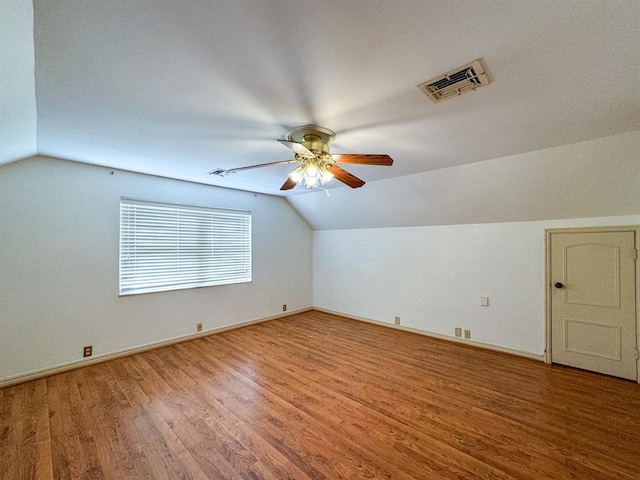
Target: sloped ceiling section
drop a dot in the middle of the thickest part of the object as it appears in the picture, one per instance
(597, 178)
(180, 88)
(18, 136)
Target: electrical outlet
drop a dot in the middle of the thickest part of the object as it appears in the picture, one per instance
(87, 351)
(198, 327)
(397, 320)
(458, 332)
(467, 334)
(284, 307)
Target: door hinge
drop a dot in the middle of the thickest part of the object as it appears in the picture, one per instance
(635, 254)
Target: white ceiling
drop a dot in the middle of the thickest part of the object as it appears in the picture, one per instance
(179, 88)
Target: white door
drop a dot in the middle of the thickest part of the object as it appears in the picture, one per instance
(593, 304)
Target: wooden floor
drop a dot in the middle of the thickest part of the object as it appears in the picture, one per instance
(316, 396)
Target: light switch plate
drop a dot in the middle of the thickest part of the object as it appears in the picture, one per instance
(484, 301)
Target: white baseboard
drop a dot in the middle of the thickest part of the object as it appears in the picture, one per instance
(65, 367)
(486, 346)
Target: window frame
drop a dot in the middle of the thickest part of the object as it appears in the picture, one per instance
(179, 246)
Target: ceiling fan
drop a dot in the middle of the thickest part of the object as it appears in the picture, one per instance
(310, 144)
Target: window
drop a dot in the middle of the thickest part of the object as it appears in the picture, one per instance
(171, 247)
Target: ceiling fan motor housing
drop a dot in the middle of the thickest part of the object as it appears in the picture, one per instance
(313, 137)
(315, 144)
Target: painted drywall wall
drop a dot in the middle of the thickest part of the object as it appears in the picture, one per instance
(18, 117)
(59, 227)
(590, 179)
(432, 277)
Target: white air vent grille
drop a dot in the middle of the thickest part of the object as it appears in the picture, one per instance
(456, 82)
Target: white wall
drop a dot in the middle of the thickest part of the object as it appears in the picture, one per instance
(59, 240)
(432, 277)
(18, 138)
(598, 178)
(449, 236)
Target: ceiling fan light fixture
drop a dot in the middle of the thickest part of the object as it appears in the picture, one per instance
(311, 182)
(312, 170)
(311, 174)
(297, 175)
(326, 177)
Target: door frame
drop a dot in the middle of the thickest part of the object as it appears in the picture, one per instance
(548, 285)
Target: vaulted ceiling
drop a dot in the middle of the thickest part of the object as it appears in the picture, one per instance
(180, 88)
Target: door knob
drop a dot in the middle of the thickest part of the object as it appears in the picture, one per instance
(558, 285)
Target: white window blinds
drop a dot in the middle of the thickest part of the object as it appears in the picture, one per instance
(170, 247)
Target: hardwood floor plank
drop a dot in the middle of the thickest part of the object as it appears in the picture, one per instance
(341, 411)
(267, 457)
(294, 421)
(67, 461)
(44, 459)
(275, 422)
(164, 448)
(21, 440)
(567, 421)
(317, 396)
(119, 454)
(352, 388)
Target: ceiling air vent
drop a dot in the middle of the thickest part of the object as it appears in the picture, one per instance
(456, 82)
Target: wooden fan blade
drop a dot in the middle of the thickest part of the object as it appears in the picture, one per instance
(221, 172)
(288, 185)
(355, 159)
(297, 147)
(345, 177)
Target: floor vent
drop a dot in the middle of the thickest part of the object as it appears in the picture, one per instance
(456, 82)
